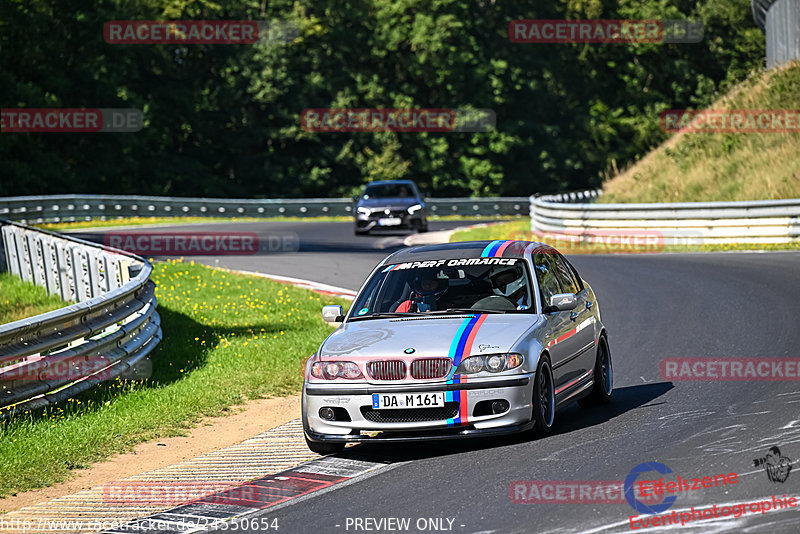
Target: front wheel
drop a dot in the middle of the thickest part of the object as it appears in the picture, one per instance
(544, 399)
(603, 377)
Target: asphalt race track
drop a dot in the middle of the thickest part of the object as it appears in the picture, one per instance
(326, 252)
(655, 306)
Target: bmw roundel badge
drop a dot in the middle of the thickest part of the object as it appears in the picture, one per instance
(409, 350)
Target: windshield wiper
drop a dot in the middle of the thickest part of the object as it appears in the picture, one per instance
(383, 314)
(471, 310)
(424, 314)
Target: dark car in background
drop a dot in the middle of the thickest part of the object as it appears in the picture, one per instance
(394, 204)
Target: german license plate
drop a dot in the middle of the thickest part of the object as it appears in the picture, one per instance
(381, 401)
(390, 221)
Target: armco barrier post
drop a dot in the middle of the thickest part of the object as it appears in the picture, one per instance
(3, 262)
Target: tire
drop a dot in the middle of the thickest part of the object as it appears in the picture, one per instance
(423, 229)
(544, 399)
(603, 386)
(361, 232)
(324, 448)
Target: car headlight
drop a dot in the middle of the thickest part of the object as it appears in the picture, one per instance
(414, 208)
(494, 363)
(473, 364)
(333, 370)
(364, 211)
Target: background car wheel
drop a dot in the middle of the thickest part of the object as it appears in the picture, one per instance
(324, 448)
(544, 398)
(422, 229)
(362, 232)
(603, 377)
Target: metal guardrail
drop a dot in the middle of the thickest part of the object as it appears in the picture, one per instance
(571, 197)
(109, 330)
(70, 208)
(684, 223)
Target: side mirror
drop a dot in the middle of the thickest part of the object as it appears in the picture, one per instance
(356, 198)
(332, 314)
(562, 302)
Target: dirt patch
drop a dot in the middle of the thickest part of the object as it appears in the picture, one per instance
(210, 434)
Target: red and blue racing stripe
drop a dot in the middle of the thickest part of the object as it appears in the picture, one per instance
(495, 249)
(460, 348)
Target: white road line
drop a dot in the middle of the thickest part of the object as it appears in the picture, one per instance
(308, 284)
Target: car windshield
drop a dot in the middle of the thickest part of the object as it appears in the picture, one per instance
(388, 191)
(447, 286)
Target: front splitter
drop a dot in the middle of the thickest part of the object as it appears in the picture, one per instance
(436, 435)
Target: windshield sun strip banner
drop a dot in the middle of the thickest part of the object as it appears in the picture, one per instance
(488, 250)
(503, 248)
(455, 262)
(496, 248)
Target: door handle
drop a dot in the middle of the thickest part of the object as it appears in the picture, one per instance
(589, 304)
(573, 316)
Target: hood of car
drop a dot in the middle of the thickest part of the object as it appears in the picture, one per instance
(390, 203)
(426, 336)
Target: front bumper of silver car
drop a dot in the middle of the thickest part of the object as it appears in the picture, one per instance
(371, 222)
(466, 414)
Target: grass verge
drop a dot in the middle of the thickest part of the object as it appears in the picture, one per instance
(227, 338)
(19, 299)
(696, 167)
(520, 230)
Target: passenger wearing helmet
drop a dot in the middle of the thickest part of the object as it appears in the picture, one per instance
(426, 288)
(510, 283)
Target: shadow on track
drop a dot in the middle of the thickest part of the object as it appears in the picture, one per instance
(568, 420)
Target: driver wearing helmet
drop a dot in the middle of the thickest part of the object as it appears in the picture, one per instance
(510, 283)
(422, 298)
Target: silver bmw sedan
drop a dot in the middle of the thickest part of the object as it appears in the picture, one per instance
(457, 340)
